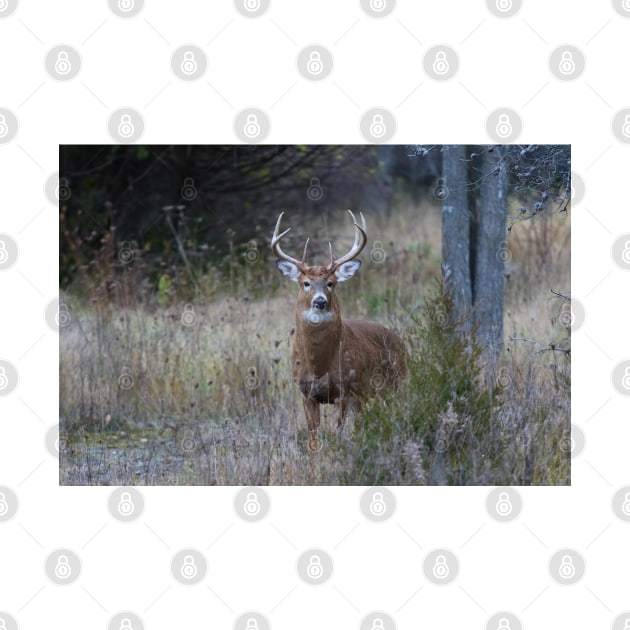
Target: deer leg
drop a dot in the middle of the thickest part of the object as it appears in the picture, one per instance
(356, 407)
(311, 410)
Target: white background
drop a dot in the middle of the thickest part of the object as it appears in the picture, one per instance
(251, 62)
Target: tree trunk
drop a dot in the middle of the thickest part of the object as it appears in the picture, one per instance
(456, 231)
(490, 249)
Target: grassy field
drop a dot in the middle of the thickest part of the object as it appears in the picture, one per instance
(154, 390)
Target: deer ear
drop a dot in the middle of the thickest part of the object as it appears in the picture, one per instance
(347, 270)
(288, 270)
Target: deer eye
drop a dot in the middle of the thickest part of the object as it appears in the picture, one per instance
(330, 284)
(306, 284)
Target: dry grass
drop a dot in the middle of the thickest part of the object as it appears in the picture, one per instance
(154, 394)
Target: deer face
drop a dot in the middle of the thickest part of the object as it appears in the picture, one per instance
(317, 285)
(316, 299)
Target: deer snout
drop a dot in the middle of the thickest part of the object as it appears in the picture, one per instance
(320, 302)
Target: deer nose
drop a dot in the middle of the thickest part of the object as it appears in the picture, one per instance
(320, 303)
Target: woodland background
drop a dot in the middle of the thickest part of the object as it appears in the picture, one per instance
(176, 326)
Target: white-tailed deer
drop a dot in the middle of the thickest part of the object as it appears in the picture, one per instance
(335, 360)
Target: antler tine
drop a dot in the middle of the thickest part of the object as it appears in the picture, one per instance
(354, 220)
(277, 250)
(308, 238)
(360, 239)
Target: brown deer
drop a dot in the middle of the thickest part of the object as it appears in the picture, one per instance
(335, 360)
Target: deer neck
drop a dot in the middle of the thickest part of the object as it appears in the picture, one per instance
(318, 340)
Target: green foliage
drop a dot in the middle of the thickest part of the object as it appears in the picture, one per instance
(464, 416)
(163, 289)
(443, 417)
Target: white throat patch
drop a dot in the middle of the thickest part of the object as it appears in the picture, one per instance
(314, 316)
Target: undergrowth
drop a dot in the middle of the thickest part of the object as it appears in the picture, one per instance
(460, 419)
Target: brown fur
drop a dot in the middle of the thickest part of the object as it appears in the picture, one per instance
(335, 361)
(339, 361)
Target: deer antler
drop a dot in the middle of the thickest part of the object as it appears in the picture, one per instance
(276, 249)
(360, 239)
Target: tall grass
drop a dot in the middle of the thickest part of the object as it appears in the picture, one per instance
(157, 387)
